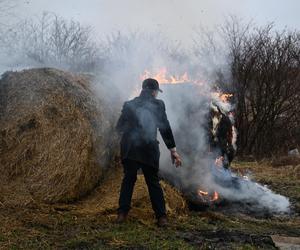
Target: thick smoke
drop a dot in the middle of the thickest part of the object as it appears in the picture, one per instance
(244, 190)
(188, 112)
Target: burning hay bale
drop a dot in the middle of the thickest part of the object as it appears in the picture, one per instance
(54, 137)
(206, 137)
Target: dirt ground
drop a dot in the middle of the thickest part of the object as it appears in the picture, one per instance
(89, 223)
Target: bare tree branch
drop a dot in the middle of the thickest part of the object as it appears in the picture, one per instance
(52, 41)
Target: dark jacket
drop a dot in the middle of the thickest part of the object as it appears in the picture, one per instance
(138, 123)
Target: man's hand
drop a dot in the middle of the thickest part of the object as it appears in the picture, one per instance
(175, 157)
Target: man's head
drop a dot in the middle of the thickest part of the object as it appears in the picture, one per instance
(152, 85)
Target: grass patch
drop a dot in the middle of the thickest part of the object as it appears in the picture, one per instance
(46, 228)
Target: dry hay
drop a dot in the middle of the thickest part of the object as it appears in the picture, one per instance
(54, 137)
(104, 199)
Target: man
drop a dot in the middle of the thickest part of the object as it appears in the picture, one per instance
(138, 124)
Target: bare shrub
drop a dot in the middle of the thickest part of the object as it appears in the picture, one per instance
(263, 67)
(51, 41)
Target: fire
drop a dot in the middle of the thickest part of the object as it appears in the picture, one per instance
(216, 196)
(211, 198)
(219, 161)
(200, 192)
(162, 76)
(224, 97)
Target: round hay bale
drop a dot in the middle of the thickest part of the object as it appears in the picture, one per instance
(55, 136)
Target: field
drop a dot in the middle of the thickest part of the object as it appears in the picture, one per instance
(83, 225)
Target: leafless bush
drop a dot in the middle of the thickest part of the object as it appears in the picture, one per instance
(6, 7)
(266, 73)
(51, 41)
(264, 67)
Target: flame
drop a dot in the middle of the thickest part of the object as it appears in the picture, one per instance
(215, 196)
(219, 161)
(212, 198)
(162, 77)
(200, 192)
(223, 97)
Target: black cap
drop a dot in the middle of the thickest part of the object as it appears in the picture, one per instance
(152, 84)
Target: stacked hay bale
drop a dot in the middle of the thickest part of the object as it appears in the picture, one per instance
(55, 137)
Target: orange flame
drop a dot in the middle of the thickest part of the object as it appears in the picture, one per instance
(219, 162)
(214, 197)
(224, 97)
(200, 192)
(162, 77)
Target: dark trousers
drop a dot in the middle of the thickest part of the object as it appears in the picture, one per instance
(154, 188)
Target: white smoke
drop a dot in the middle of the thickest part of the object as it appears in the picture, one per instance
(244, 190)
(188, 109)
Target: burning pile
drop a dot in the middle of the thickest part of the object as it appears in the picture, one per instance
(55, 137)
(203, 123)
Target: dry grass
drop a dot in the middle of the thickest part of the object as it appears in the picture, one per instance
(104, 199)
(53, 137)
(286, 161)
(88, 224)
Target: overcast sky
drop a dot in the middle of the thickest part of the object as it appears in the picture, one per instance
(176, 18)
